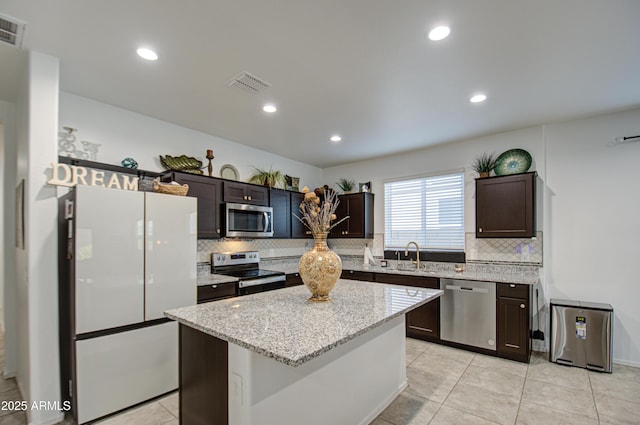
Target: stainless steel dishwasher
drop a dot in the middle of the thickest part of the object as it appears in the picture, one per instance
(468, 312)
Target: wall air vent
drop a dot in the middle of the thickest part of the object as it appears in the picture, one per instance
(11, 31)
(249, 83)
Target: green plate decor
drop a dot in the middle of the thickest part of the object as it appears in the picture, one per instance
(187, 164)
(513, 161)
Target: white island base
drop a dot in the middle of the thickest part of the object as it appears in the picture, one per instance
(273, 359)
(348, 385)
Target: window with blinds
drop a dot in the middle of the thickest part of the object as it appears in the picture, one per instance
(427, 210)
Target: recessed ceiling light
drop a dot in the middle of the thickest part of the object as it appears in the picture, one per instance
(478, 98)
(147, 54)
(335, 138)
(439, 33)
(269, 108)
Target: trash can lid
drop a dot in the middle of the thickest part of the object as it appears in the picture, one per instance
(580, 304)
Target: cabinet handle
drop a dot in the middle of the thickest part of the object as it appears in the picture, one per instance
(249, 197)
(512, 285)
(480, 229)
(214, 286)
(512, 345)
(351, 271)
(521, 305)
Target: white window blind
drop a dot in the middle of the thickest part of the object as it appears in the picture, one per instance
(428, 210)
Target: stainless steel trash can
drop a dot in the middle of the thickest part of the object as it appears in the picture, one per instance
(581, 334)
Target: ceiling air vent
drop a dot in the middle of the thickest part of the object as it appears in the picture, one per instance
(249, 83)
(11, 31)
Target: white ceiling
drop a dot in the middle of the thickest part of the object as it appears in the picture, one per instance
(360, 68)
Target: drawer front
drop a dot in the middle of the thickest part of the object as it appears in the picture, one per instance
(357, 275)
(406, 280)
(293, 279)
(513, 290)
(216, 291)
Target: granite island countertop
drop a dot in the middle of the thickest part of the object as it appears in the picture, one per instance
(283, 325)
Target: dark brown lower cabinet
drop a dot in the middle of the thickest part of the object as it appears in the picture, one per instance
(293, 279)
(203, 377)
(424, 321)
(357, 275)
(513, 321)
(216, 291)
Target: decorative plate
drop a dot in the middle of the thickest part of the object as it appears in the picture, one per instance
(229, 172)
(514, 161)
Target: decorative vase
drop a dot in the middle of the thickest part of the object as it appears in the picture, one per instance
(484, 174)
(320, 269)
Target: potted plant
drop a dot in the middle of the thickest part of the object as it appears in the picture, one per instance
(346, 185)
(270, 178)
(484, 164)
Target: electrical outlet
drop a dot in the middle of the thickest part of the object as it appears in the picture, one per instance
(236, 388)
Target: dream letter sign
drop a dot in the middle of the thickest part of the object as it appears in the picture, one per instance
(71, 175)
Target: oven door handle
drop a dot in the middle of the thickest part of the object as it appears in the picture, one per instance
(261, 281)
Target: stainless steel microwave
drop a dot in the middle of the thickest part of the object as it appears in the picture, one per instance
(247, 221)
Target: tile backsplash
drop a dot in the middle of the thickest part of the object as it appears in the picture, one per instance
(506, 251)
(271, 248)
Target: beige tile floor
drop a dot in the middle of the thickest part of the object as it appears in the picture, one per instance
(450, 387)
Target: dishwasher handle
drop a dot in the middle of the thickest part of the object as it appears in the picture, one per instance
(467, 289)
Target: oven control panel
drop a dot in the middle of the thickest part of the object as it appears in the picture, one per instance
(234, 258)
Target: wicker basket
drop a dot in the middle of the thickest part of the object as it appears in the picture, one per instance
(171, 189)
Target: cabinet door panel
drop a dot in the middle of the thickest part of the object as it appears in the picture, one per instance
(298, 230)
(513, 327)
(280, 201)
(505, 206)
(424, 321)
(244, 193)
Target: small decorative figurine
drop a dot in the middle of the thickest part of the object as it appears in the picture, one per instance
(210, 157)
(129, 163)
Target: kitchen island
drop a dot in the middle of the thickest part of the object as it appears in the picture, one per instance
(274, 358)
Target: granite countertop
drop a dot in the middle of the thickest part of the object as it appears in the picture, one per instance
(282, 325)
(214, 279)
(483, 272)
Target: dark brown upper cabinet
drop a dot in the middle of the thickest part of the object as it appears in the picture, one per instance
(359, 208)
(245, 193)
(298, 230)
(506, 206)
(280, 201)
(208, 190)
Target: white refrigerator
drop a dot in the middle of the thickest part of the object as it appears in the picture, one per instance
(125, 258)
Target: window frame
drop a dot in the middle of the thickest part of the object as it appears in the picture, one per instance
(428, 254)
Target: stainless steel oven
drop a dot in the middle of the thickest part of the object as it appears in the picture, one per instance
(245, 266)
(247, 221)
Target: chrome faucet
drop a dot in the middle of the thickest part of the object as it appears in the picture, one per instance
(406, 252)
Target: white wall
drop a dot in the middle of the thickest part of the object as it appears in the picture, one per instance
(8, 163)
(594, 230)
(36, 266)
(123, 133)
(437, 160)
